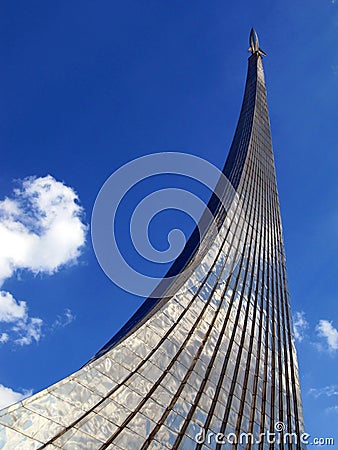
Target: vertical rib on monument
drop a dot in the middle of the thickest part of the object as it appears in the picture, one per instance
(213, 354)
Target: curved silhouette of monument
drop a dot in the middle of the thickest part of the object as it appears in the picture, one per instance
(210, 358)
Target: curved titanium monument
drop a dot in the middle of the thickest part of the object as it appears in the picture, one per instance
(210, 362)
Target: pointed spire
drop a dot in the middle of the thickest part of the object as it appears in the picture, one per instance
(254, 43)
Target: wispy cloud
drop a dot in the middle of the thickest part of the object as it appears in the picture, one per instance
(28, 331)
(329, 333)
(21, 328)
(326, 391)
(63, 320)
(332, 409)
(300, 325)
(8, 396)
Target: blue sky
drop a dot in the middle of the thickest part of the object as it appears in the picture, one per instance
(86, 87)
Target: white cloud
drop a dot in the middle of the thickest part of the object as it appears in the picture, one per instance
(63, 320)
(40, 227)
(300, 324)
(41, 230)
(8, 396)
(10, 309)
(28, 331)
(332, 409)
(326, 391)
(3, 338)
(23, 329)
(326, 330)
